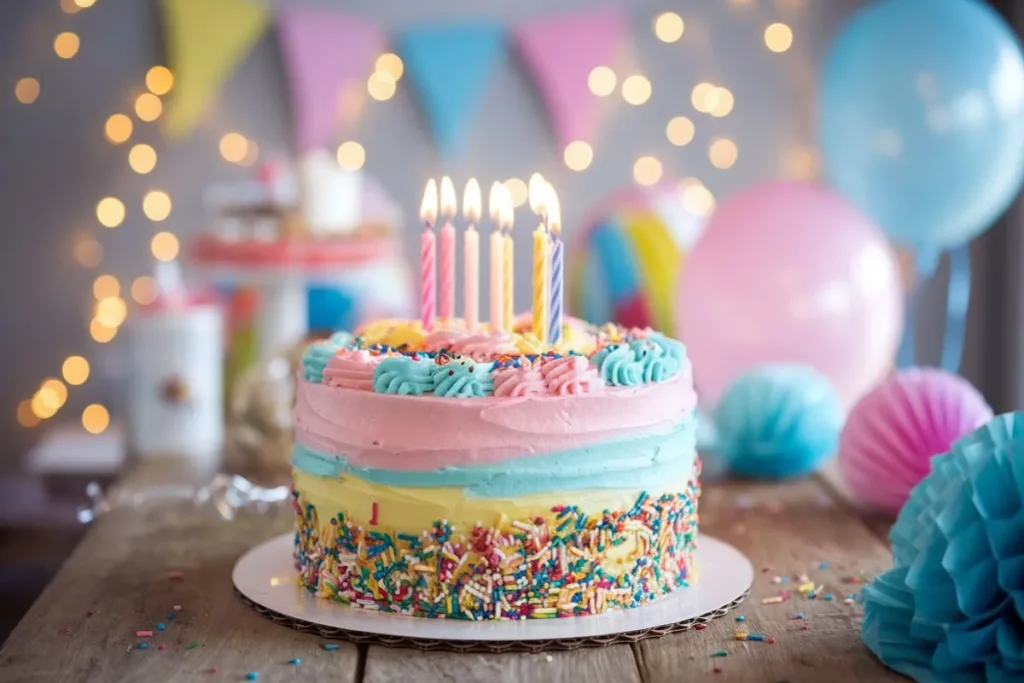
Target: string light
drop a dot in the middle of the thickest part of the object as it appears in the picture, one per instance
(40, 408)
(110, 212)
(100, 332)
(391, 64)
(27, 418)
(118, 128)
(669, 27)
(165, 246)
(53, 393)
(698, 199)
(601, 81)
(636, 90)
(111, 311)
(142, 159)
(578, 155)
(723, 102)
(75, 370)
(156, 205)
(87, 251)
(26, 90)
(704, 97)
(381, 86)
(679, 131)
(66, 44)
(144, 290)
(104, 286)
(233, 147)
(95, 418)
(351, 155)
(159, 80)
(722, 153)
(518, 191)
(647, 170)
(778, 37)
(148, 106)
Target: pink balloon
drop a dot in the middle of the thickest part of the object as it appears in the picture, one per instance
(791, 272)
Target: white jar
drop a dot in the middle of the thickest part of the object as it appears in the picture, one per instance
(175, 389)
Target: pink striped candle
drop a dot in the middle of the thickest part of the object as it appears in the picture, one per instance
(446, 303)
(428, 256)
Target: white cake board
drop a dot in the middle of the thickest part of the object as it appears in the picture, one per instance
(266, 579)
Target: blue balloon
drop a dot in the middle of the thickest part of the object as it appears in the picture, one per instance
(922, 118)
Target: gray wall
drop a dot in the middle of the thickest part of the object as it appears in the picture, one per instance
(55, 163)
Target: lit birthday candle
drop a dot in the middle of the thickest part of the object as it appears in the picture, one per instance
(471, 251)
(446, 265)
(541, 257)
(428, 256)
(508, 271)
(494, 201)
(554, 216)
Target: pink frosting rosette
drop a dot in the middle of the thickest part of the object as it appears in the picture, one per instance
(351, 369)
(571, 376)
(484, 347)
(443, 340)
(526, 380)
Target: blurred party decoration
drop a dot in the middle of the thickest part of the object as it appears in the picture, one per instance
(778, 421)
(205, 43)
(561, 51)
(628, 256)
(927, 135)
(950, 609)
(894, 431)
(789, 272)
(449, 66)
(175, 400)
(258, 434)
(326, 52)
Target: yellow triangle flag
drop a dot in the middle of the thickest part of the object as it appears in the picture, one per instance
(206, 40)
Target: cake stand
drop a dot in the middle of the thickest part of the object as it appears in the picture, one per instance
(265, 578)
(282, 271)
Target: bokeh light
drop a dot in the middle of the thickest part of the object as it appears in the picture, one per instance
(679, 131)
(704, 97)
(118, 128)
(148, 106)
(142, 159)
(75, 370)
(778, 37)
(601, 81)
(95, 418)
(722, 153)
(100, 332)
(110, 212)
(233, 147)
(156, 205)
(104, 286)
(669, 27)
(111, 311)
(518, 191)
(578, 155)
(159, 80)
(391, 64)
(647, 170)
(636, 90)
(381, 86)
(722, 103)
(698, 199)
(144, 290)
(351, 155)
(88, 252)
(26, 90)
(27, 418)
(66, 44)
(165, 246)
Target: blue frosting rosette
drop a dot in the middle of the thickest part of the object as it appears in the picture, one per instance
(952, 607)
(463, 378)
(403, 376)
(315, 358)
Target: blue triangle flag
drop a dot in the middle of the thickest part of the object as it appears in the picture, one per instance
(449, 66)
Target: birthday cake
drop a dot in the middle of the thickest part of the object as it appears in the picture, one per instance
(478, 475)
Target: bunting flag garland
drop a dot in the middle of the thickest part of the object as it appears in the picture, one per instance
(561, 51)
(325, 53)
(448, 67)
(206, 40)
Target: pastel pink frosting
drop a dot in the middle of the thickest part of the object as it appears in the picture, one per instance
(351, 369)
(571, 376)
(478, 346)
(526, 380)
(424, 433)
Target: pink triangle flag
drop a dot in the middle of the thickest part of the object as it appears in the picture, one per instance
(325, 52)
(561, 51)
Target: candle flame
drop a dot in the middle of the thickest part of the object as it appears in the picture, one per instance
(471, 201)
(538, 193)
(447, 197)
(428, 209)
(507, 212)
(554, 211)
(494, 201)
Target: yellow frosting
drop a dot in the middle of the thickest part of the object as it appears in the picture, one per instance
(407, 509)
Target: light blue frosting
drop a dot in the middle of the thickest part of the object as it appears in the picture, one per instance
(463, 378)
(314, 360)
(404, 376)
(657, 365)
(645, 462)
(672, 347)
(618, 366)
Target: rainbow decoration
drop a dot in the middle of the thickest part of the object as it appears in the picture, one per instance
(627, 259)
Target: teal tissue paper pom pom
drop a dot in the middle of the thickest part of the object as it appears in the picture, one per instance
(952, 606)
(778, 421)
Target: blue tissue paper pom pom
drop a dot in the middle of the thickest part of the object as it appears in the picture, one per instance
(778, 421)
(952, 607)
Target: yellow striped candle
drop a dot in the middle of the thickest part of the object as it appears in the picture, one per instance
(541, 260)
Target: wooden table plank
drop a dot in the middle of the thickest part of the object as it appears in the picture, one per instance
(117, 581)
(615, 663)
(784, 529)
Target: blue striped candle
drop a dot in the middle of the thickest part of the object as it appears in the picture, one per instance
(555, 309)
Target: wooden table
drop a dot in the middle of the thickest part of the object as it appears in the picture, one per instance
(82, 629)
